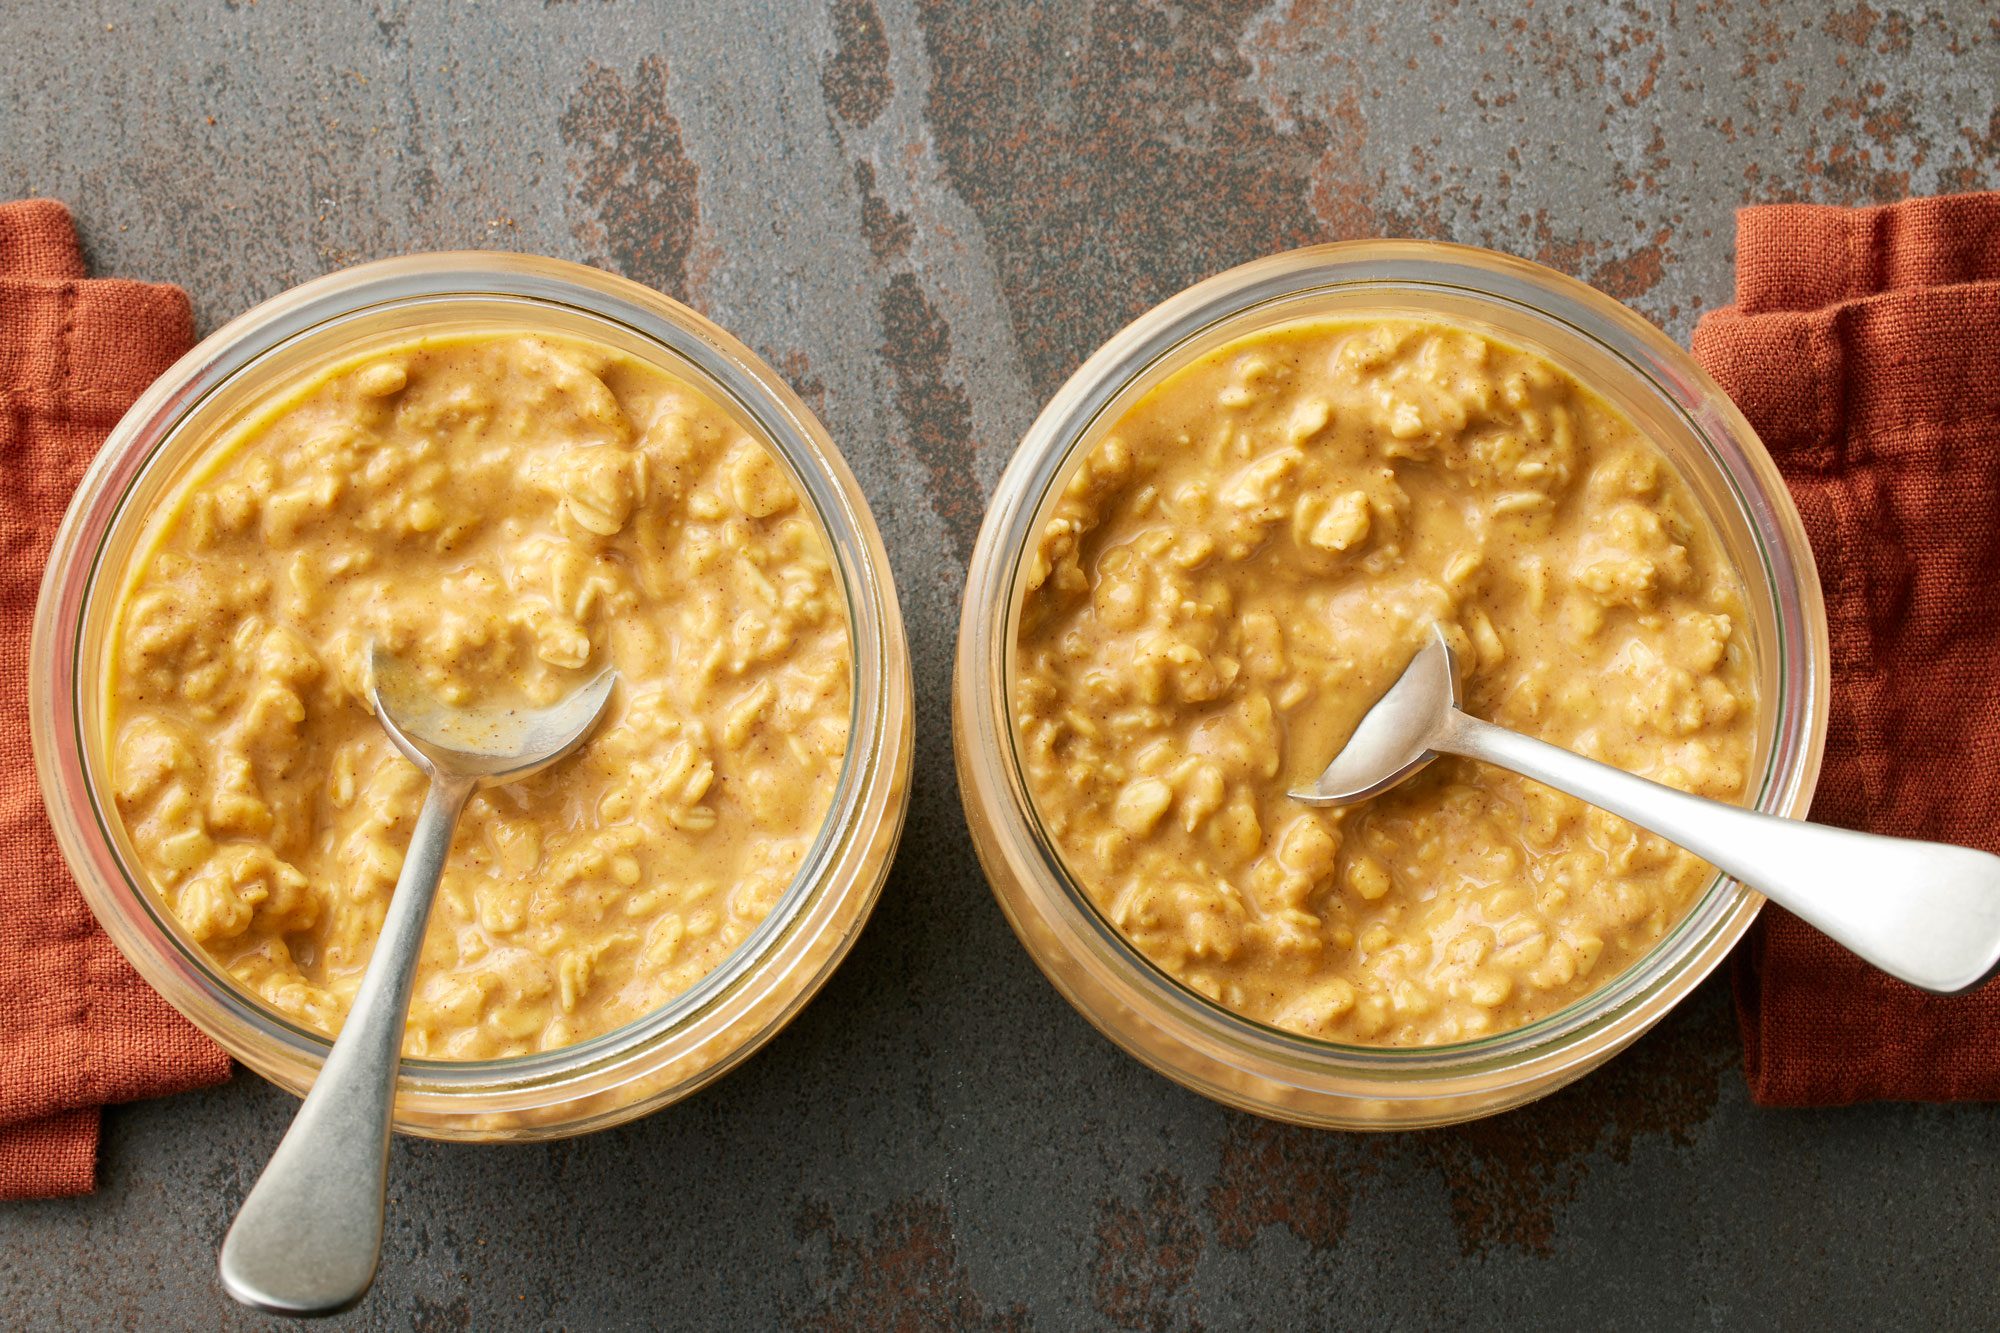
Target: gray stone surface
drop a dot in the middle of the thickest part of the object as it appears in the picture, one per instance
(926, 214)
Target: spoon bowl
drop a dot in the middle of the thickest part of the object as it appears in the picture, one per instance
(494, 743)
(1394, 737)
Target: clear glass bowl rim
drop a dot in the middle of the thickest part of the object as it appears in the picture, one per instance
(766, 981)
(1196, 1041)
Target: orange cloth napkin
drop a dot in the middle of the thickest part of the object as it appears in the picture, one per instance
(1864, 346)
(78, 1028)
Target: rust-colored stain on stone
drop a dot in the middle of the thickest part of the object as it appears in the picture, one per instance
(633, 176)
(1508, 1177)
(1984, 152)
(1274, 1174)
(1627, 276)
(905, 1275)
(1854, 26)
(797, 369)
(930, 399)
(1633, 275)
(1866, 146)
(936, 412)
(1142, 1275)
(1112, 166)
(887, 230)
(856, 81)
(1511, 1175)
(1342, 198)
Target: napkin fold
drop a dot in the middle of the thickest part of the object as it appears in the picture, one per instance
(1864, 346)
(78, 1028)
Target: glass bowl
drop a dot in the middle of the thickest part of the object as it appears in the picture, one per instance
(734, 1009)
(1184, 1035)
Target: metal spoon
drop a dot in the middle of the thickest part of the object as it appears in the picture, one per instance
(309, 1236)
(1927, 912)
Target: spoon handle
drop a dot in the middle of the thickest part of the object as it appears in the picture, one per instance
(309, 1236)
(1927, 912)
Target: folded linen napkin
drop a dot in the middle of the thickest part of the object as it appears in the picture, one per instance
(1864, 346)
(78, 1028)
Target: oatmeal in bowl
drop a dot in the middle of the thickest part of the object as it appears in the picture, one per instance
(1244, 564)
(1229, 535)
(509, 513)
(510, 473)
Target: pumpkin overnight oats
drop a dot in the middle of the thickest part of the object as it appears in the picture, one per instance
(508, 514)
(1250, 556)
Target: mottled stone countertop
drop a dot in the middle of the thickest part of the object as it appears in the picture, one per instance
(926, 214)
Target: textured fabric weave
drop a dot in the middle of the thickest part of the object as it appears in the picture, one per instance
(78, 1028)
(1864, 346)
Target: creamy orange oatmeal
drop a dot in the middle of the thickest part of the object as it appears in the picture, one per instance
(1252, 554)
(507, 513)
